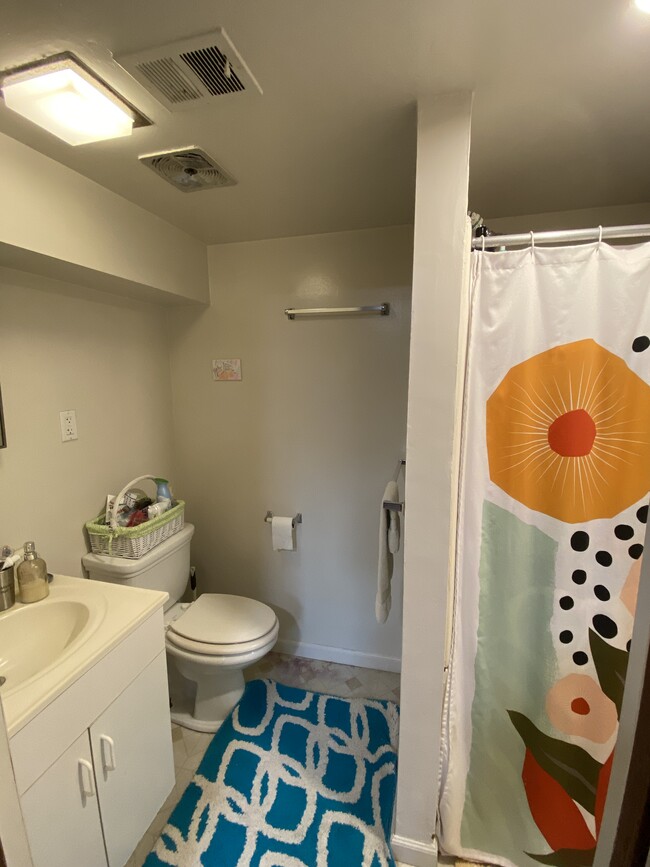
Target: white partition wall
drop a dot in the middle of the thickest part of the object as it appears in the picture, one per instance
(443, 142)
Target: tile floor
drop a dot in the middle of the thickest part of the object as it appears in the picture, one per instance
(348, 681)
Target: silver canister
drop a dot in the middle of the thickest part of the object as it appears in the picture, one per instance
(7, 588)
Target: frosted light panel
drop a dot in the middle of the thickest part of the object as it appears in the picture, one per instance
(65, 104)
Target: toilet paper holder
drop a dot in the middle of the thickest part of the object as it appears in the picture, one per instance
(297, 519)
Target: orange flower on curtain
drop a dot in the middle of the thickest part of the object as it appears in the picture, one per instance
(568, 433)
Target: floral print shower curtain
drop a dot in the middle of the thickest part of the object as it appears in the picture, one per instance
(552, 515)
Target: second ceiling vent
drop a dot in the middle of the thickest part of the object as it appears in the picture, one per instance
(185, 73)
(189, 169)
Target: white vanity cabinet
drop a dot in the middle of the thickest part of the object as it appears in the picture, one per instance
(95, 766)
(61, 811)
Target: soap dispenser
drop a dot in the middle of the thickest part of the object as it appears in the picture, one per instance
(32, 576)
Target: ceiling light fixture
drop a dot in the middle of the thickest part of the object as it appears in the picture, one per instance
(643, 5)
(67, 99)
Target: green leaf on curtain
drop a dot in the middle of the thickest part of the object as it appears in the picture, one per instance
(611, 668)
(573, 768)
(567, 857)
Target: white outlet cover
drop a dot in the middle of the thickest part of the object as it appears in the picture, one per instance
(68, 421)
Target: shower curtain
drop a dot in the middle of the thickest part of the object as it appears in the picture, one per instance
(555, 475)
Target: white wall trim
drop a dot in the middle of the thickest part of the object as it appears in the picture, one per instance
(338, 654)
(414, 853)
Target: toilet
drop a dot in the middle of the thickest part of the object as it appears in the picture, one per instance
(209, 642)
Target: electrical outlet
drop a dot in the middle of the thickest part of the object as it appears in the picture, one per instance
(68, 425)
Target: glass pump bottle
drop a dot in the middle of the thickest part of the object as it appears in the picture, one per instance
(32, 576)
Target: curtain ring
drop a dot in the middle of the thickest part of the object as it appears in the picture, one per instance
(483, 244)
(600, 235)
(532, 245)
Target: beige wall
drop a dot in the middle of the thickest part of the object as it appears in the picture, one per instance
(316, 426)
(615, 215)
(107, 358)
(65, 218)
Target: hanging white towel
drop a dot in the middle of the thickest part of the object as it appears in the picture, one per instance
(388, 545)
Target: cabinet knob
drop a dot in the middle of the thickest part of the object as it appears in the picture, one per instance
(86, 779)
(108, 752)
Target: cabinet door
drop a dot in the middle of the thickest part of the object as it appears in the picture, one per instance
(134, 766)
(61, 812)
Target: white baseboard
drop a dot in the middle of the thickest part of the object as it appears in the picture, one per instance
(414, 853)
(338, 654)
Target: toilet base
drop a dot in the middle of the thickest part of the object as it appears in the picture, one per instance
(216, 692)
(181, 714)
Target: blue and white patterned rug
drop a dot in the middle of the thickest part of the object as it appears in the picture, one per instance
(291, 779)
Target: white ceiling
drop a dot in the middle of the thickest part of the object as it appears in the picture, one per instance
(561, 116)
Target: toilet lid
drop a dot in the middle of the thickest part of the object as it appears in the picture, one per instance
(218, 618)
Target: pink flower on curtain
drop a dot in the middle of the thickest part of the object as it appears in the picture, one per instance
(576, 705)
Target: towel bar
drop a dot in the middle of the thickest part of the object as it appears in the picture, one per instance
(296, 520)
(393, 507)
(292, 312)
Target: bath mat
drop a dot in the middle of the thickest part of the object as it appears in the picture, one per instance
(291, 779)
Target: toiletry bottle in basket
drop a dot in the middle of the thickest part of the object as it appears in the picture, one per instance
(163, 494)
(163, 491)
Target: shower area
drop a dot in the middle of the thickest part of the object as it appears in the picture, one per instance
(555, 472)
(531, 613)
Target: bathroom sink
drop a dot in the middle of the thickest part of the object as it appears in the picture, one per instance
(34, 637)
(47, 646)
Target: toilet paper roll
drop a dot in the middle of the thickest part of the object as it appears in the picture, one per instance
(283, 534)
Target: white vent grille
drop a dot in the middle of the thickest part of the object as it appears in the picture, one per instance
(214, 70)
(186, 73)
(169, 79)
(189, 169)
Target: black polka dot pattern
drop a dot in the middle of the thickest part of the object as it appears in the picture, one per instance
(590, 563)
(623, 532)
(580, 541)
(605, 626)
(604, 558)
(640, 344)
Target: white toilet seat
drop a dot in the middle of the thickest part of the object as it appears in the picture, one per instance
(222, 625)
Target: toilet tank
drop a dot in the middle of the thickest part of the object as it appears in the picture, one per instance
(165, 567)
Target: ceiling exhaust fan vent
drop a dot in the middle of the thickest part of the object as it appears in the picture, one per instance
(166, 76)
(214, 70)
(189, 72)
(189, 169)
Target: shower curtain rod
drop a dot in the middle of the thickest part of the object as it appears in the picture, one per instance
(562, 236)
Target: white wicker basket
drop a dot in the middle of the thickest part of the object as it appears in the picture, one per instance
(133, 542)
